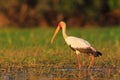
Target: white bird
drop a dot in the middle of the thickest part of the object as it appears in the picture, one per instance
(79, 45)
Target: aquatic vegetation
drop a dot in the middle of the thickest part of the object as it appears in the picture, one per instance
(31, 48)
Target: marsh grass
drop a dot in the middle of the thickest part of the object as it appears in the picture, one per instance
(32, 47)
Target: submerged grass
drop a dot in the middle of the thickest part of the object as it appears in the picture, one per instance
(32, 47)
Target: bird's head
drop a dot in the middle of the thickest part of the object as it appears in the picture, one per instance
(61, 24)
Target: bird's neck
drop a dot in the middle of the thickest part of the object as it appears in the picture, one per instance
(64, 32)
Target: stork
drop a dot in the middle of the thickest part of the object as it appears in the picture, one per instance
(78, 45)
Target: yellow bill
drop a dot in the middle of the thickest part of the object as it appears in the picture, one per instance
(56, 32)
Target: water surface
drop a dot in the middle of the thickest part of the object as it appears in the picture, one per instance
(42, 73)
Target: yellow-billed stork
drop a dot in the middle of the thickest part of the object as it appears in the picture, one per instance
(79, 45)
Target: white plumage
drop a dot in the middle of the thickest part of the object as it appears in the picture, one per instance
(77, 44)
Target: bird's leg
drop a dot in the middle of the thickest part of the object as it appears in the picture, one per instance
(91, 61)
(78, 58)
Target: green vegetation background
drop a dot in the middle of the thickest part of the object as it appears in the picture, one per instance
(32, 47)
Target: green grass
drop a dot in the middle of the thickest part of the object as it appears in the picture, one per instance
(32, 47)
(30, 50)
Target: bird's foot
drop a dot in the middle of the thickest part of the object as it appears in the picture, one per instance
(79, 66)
(89, 66)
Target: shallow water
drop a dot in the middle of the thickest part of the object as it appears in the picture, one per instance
(59, 74)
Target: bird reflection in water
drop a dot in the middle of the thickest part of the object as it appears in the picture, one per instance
(72, 74)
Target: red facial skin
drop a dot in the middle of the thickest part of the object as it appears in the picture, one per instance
(60, 25)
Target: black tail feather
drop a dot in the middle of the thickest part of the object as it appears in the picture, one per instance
(97, 54)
